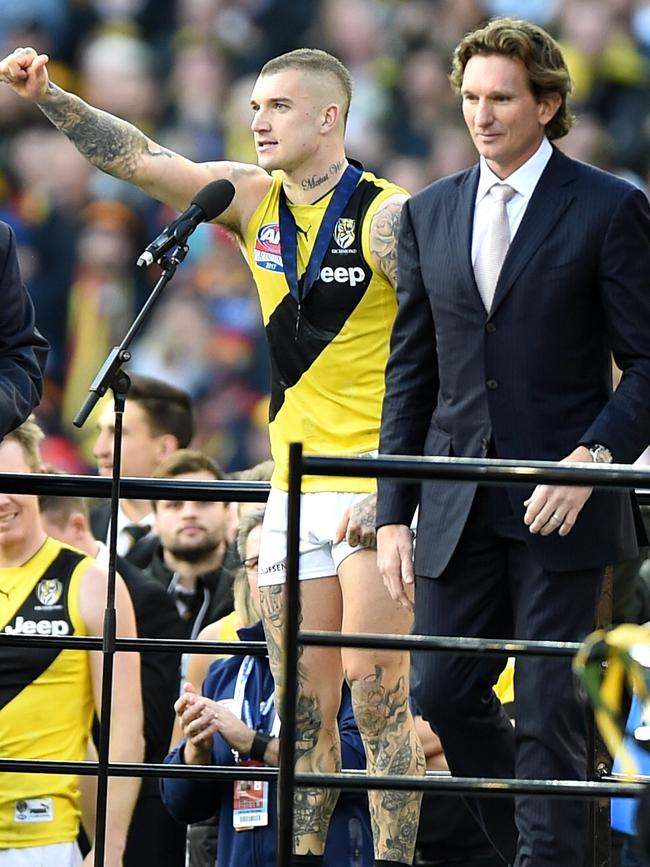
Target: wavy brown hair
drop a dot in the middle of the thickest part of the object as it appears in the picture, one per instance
(537, 50)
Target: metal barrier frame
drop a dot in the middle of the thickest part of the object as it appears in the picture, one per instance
(485, 471)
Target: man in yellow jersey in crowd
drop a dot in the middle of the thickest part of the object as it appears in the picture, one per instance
(319, 234)
(48, 695)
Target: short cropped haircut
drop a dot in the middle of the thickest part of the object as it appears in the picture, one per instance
(29, 437)
(537, 50)
(168, 409)
(185, 461)
(314, 60)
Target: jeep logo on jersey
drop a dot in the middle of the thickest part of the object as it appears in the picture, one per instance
(267, 252)
(344, 232)
(343, 275)
(49, 591)
(37, 627)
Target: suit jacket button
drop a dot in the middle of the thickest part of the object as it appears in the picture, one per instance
(490, 327)
(492, 384)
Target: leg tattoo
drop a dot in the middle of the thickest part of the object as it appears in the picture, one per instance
(392, 747)
(318, 748)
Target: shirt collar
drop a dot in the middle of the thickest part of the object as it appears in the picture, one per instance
(523, 180)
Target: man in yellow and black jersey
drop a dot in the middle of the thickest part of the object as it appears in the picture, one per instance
(47, 695)
(319, 234)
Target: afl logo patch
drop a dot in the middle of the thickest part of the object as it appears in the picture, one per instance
(49, 591)
(267, 252)
(344, 232)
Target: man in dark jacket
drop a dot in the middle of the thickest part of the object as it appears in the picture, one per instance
(23, 350)
(188, 560)
(238, 701)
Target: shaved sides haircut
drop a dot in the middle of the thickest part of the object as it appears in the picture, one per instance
(317, 61)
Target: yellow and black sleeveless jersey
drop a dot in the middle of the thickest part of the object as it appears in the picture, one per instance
(328, 373)
(46, 701)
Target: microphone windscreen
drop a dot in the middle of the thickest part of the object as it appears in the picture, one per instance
(214, 198)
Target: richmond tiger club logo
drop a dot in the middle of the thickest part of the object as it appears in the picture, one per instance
(48, 591)
(267, 252)
(344, 232)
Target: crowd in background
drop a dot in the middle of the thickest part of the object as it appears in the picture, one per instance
(182, 70)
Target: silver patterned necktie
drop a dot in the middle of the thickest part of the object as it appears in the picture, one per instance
(493, 250)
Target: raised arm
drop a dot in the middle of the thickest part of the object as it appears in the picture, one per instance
(122, 150)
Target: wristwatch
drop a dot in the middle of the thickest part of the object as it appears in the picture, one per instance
(600, 454)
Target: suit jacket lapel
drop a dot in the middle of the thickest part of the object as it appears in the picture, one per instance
(459, 219)
(551, 198)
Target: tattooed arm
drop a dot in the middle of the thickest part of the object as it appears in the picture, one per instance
(383, 236)
(121, 149)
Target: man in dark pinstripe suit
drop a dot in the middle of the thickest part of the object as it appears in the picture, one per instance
(519, 368)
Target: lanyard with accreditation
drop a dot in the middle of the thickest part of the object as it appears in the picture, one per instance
(299, 289)
(250, 807)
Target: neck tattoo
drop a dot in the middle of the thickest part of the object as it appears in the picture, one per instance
(316, 180)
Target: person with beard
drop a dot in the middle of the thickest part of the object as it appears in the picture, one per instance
(188, 559)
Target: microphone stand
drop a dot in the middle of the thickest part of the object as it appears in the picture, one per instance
(112, 376)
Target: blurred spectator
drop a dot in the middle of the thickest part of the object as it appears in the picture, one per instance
(181, 69)
(158, 420)
(188, 559)
(153, 836)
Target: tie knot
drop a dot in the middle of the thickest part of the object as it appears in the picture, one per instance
(502, 192)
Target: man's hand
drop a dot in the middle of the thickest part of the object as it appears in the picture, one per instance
(201, 718)
(196, 717)
(26, 72)
(357, 526)
(395, 562)
(553, 508)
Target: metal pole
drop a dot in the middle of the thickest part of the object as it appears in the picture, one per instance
(287, 771)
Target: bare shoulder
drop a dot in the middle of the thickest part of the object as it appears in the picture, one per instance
(384, 228)
(92, 600)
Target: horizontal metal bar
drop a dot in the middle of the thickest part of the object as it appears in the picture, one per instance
(134, 488)
(136, 645)
(490, 646)
(451, 644)
(123, 769)
(348, 780)
(193, 645)
(472, 785)
(481, 470)
(623, 778)
(495, 471)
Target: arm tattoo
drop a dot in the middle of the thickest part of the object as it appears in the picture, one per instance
(107, 142)
(383, 238)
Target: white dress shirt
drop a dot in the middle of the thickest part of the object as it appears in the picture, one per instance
(524, 181)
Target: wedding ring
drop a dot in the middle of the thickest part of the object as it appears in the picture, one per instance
(556, 517)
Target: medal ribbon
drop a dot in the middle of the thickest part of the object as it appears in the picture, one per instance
(299, 289)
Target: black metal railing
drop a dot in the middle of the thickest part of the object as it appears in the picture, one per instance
(483, 471)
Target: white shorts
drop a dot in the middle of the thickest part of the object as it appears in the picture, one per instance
(56, 855)
(320, 514)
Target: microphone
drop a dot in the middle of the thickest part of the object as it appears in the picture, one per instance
(208, 203)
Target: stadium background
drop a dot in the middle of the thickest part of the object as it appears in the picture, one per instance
(182, 70)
